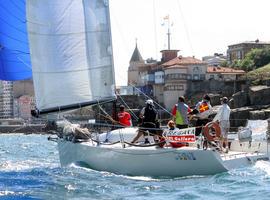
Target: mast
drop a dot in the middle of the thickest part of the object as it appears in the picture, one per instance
(167, 19)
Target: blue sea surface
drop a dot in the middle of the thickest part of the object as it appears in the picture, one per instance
(30, 169)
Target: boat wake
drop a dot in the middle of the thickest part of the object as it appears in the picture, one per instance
(25, 165)
(264, 166)
(137, 178)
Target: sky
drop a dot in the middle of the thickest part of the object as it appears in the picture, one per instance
(198, 27)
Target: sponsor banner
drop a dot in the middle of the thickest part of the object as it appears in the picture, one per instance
(182, 138)
(181, 135)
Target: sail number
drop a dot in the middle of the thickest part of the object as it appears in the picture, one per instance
(185, 156)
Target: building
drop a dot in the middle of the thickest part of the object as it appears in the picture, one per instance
(16, 99)
(6, 99)
(176, 76)
(136, 61)
(178, 72)
(223, 73)
(141, 74)
(239, 51)
(216, 60)
(24, 98)
(166, 80)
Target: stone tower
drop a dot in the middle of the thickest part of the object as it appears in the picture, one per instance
(133, 70)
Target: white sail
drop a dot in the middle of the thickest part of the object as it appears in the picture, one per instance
(71, 52)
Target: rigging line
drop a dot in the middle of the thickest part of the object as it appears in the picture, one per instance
(185, 26)
(151, 98)
(107, 115)
(14, 27)
(126, 105)
(121, 33)
(155, 26)
(26, 64)
(11, 13)
(71, 33)
(148, 97)
(18, 7)
(67, 9)
(23, 2)
(10, 61)
(69, 71)
(16, 51)
(36, 23)
(15, 39)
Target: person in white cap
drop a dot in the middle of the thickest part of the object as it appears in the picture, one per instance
(148, 119)
(223, 118)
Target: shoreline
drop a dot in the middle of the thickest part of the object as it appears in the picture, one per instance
(26, 129)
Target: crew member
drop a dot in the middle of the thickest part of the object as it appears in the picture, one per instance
(180, 113)
(124, 117)
(223, 118)
(148, 120)
(202, 111)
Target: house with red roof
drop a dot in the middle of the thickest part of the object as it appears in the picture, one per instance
(178, 71)
(172, 77)
(223, 73)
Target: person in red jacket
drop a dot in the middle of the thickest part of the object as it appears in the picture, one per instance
(124, 117)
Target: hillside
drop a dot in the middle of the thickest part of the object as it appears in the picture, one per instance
(262, 73)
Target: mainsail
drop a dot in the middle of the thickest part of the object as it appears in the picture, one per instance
(14, 50)
(71, 53)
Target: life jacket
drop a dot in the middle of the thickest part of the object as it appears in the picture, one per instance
(150, 115)
(203, 107)
(180, 111)
(204, 110)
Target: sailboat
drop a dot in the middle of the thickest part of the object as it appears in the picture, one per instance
(72, 65)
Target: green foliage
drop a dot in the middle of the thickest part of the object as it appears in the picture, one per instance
(224, 63)
(257, 75)
(236, 64)
(247, 64)
(256, 58)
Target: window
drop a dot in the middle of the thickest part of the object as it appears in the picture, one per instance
(196, 76)
(202, 77)
(173, 87)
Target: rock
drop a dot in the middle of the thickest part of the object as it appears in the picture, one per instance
(215, 99)
(258, 95)
(240, 99)
(239, 116)
(257, 114)
(267, 113)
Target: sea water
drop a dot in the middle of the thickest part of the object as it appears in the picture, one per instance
(30, 169)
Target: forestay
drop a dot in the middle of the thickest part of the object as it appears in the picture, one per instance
(71, 53)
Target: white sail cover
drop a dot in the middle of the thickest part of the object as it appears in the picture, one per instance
(71, 52)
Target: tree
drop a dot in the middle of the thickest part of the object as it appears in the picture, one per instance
(247, 64)
(224, 63)
(256, 58)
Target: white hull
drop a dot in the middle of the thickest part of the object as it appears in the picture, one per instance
(252, 146)
(151, 161)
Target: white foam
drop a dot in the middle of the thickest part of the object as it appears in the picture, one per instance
(25, 165)
(263, 165)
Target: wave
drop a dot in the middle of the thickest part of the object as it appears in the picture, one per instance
(264, 166)
(25, 165)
